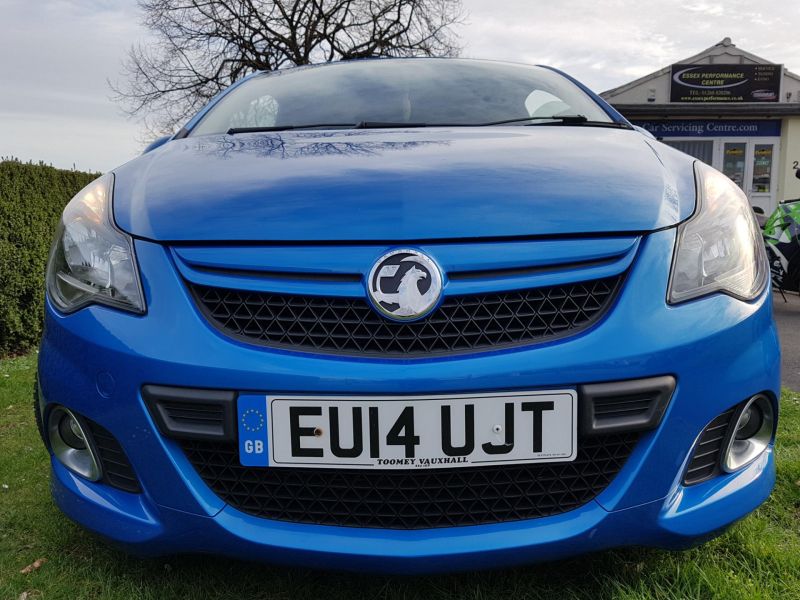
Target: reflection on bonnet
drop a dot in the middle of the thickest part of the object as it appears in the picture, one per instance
(296, 145)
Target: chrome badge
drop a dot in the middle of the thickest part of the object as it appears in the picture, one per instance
(404, 285)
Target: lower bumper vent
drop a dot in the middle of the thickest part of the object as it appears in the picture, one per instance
(705, 462)
(412, 499)
(117, 470)
(612, 417)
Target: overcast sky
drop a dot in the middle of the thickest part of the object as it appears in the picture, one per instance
(56, 55)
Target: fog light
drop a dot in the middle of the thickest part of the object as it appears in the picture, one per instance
(752, 434)
(71, 444)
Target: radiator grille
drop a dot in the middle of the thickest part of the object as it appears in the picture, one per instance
(460, 324)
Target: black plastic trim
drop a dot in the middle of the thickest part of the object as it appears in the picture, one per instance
(706, 457)
(160, 398)
(639, 404)
(644, 400)
(115, 465)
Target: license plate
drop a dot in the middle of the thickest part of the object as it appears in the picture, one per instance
(407, 432)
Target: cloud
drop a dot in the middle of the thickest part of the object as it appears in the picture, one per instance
(630, 38)
(708, 9)
(55, 103)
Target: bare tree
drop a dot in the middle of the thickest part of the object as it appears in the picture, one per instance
(200, 47)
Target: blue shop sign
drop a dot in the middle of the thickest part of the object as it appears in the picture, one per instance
(711, 128)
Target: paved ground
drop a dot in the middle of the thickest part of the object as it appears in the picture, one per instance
(787, 315)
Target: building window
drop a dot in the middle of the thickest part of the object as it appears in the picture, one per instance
(733, 161)
(700, 149)
(762, 168)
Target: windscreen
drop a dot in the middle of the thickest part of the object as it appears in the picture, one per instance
(413, 91)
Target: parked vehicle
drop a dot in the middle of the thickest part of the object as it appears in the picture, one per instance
(409, 315)
(782, 237)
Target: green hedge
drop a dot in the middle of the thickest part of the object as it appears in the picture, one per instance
(32, 197)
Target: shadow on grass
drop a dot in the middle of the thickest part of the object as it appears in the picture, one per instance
(592, 576)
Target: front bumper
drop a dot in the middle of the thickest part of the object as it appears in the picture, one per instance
(689, 517)
(720, 350)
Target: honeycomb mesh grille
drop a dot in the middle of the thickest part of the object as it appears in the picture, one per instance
(460, 324)
(417, 499)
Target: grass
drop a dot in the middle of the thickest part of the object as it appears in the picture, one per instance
(758, 558)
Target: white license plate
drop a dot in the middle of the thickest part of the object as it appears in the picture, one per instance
(408, 432)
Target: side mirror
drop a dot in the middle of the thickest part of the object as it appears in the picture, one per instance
(155, 144)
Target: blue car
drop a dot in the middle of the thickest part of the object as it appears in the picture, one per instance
(408, 315)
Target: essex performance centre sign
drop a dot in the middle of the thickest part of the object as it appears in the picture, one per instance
(726, 83)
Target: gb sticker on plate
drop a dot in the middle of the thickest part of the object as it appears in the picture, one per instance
(253, 431)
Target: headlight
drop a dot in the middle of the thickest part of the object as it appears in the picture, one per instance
(91, 260)
(720, 248)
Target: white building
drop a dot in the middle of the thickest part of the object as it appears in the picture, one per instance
(730, 108)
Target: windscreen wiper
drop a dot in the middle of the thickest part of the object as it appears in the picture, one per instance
(543, 120)
(402, 124)
(575, 120)
(388, 125)
(235, 130)
(567, 119)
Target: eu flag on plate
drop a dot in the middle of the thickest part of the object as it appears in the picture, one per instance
(252, 420)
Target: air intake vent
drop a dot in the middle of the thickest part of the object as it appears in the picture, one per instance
(197, 415)
(635, 405)
(190, 413)
(705, 460)
(606, 409)
(117, 470)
